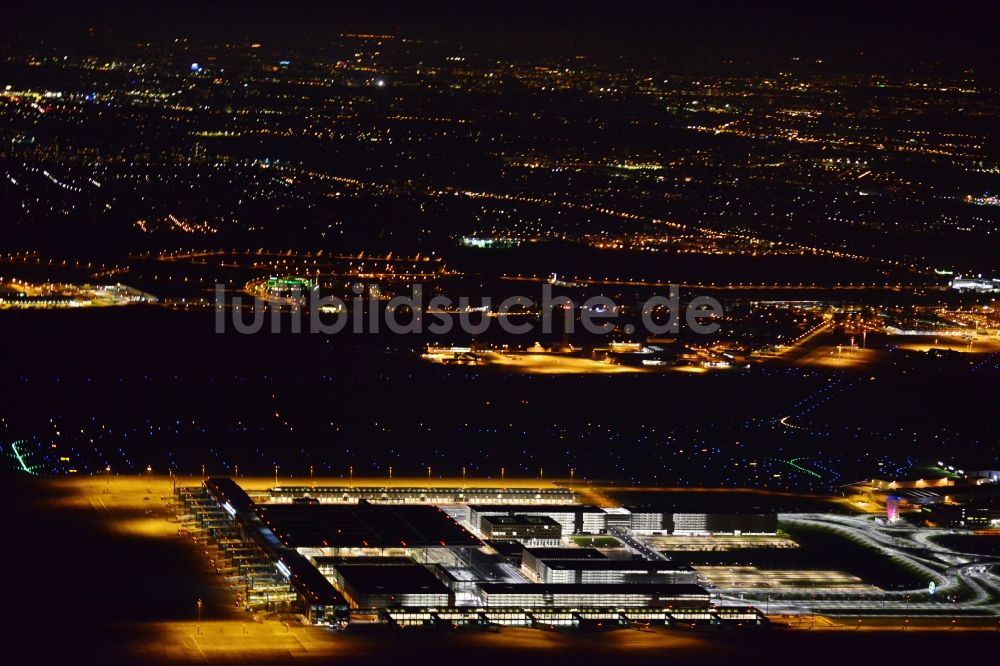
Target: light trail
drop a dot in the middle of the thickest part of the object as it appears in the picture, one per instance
(784, 421)
(20, 458)
(793, 463)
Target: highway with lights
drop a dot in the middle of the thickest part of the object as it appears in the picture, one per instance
(963, 583)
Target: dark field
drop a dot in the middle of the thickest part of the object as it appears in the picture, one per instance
(146, 386)
(983, 544)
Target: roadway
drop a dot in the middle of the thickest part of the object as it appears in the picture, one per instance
(635, 545)
(964, 581)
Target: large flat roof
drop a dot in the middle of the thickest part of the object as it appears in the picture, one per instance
(509, 519)
(565, 553)
(535, 508)
(417, 489)
(709, 507)
(303, 576)
(363, 525)
(508, 548)
(395, 579)
(616, 565)
(225, 490)
(377, 560)
(309, 581)
(657, 589)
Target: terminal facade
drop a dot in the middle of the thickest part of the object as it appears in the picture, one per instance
(429, 556)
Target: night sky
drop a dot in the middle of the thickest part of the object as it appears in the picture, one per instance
(891, 33)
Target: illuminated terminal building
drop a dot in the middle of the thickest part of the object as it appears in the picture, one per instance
(647, 595)
(351, 494)
(288, 285)
(385, 582)
(283, 575)
(402, 560)
(364, 529)
(692, 522)
(590, 572)
(585, 519)
(574, 519)
(529, 530)
(978, 284)
(532, 558)
(960, 515)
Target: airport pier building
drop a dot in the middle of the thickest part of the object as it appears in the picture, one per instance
(411, 562)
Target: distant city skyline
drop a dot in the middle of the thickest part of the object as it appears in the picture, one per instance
(506, 333)
(896, 34)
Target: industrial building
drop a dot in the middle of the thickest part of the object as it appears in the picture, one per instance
(648, 595)
(507, 552)
(646, 520)
(535, 530)
(574, 518)
(585, 519)
(385, 582)
(961, 515)
(977, 284)
(411, 562)
(577, 618)
(590, 572)
(974, 505)
(263, 560)
(351, 494)
(531, 558)
(364, 528)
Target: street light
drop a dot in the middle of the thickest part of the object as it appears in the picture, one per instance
(149, 478)
(199, 615)
(276, 475)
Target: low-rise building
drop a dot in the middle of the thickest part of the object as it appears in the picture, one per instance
(531, 530)
(532, 557)
(659, 521)
(372, 582)
(591, 572)
(531, 595)
(574, 518)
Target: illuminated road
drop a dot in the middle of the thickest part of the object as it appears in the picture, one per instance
(20, 458)
(635, 545)
(964, 582)
(787, 286)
